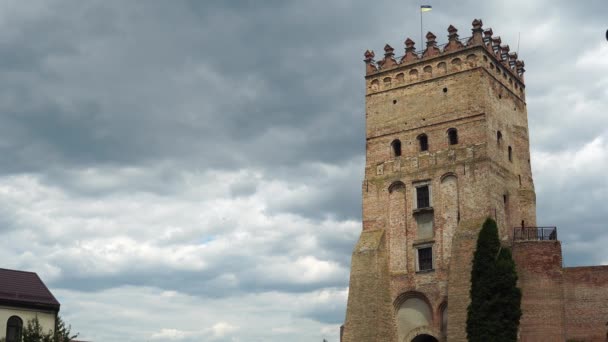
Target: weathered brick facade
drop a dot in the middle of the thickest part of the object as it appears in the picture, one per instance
(447, 146)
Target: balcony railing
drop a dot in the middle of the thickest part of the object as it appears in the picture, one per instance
(535, 233)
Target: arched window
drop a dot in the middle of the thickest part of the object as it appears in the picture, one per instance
(498, 137)
(510, 154)
(452, 136)
(14, 326)
(396, 146)
(424, 142)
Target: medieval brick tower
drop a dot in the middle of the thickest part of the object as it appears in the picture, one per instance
(446, 147)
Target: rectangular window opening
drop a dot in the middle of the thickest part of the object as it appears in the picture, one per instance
(425, 259)
(422, 197)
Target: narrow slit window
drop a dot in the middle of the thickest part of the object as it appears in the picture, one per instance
(396, 146)
(498, 137)
(452, 136)
(424, 142)
(423, 198)
(510, 154)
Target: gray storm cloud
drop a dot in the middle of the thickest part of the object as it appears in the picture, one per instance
(192, 170)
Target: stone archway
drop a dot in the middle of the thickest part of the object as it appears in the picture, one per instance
(423, 334)
(424, 338)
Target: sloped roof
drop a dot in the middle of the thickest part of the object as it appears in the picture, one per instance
(22, 288)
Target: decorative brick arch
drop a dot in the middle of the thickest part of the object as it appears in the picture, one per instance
(441, 314)
(411, 294)
(413, 75)
(446, 175)
(374, 85)
(415, 315)
(396, 186)
(425, 330)
(442, 67)
(443, 305)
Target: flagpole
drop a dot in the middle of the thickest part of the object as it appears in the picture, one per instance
(421, 45)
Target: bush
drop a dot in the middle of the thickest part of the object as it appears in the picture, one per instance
(33, 332)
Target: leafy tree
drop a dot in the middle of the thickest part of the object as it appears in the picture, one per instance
(63, 333)
(494, 312)
(33, 332)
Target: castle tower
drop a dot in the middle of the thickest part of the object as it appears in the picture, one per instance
(446, 147)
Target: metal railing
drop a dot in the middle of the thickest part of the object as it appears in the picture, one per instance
(535, 233)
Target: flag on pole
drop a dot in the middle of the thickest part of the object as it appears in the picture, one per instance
(425, 8)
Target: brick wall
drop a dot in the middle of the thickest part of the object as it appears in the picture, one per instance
(586, 303)
(475, 91)
(370, 315)
(463, 245)
(467, 89)
(539, 268)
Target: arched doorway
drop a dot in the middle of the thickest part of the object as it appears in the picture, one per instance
(424, 338)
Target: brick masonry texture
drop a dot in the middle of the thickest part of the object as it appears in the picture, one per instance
(539, 268)
(476, 87)
(586, 302)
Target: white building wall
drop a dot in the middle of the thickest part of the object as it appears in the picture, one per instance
(46, 318)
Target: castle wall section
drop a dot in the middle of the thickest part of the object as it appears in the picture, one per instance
(369, 299)
(540, 272)
(508, 144)
(439, 96)
(586, 303)
(459, 278)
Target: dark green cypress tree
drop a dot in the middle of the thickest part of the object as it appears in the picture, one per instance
(508, 297)
(494, 312)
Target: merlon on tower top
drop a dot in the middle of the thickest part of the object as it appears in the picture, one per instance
(480, 38)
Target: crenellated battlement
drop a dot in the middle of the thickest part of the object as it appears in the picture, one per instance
(498, 57)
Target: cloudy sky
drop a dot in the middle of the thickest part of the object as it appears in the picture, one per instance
(191, 170)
